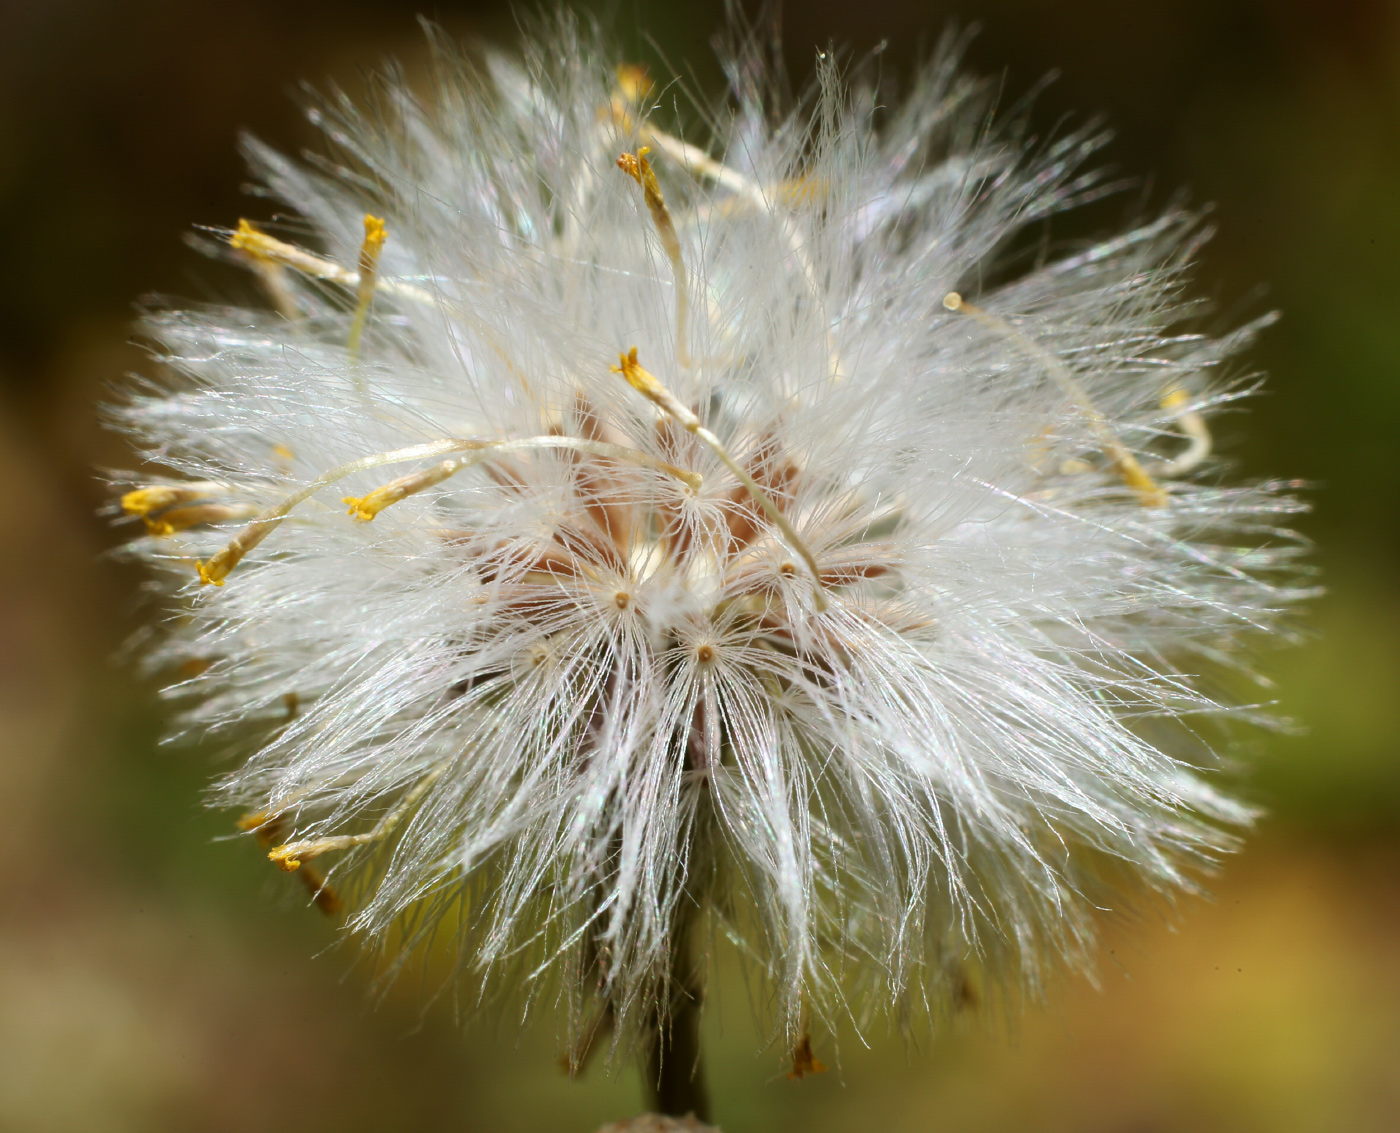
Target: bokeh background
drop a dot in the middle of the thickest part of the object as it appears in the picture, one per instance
(156, 976)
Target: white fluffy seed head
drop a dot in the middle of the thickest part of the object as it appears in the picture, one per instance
(880, 648)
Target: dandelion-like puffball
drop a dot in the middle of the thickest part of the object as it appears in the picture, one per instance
(616, 540)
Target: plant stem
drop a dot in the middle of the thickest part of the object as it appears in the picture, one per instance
(674, 1074)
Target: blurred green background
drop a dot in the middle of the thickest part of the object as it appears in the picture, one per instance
(154, 977)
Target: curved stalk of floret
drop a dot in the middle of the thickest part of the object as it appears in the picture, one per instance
(636, 166)
(290, 856)
(365, 508)
(271, 273)
(270, 829)
(1193, 425)
(646, 383)
(697, 162)
(268, 252)
(196, 515)
(1128, 467)
(214, 570)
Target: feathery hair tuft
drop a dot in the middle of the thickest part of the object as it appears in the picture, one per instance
(723, 560)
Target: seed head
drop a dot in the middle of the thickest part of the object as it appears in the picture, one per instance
(843, 616)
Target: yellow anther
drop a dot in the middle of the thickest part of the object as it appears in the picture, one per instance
(254, 820)
(365, 508)
(248, 238)
(633, 163)
(633, 82)
(215, 569)
(284, 859)
(638, 377)
(143, 501)
(646, 384)
(375, 235)
(212, 573)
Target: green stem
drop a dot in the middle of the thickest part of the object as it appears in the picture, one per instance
(674, 1074)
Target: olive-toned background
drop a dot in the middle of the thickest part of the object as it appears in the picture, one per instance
(155, 977)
